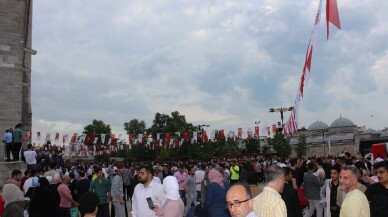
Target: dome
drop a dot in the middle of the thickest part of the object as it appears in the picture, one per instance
(342, 122)
(318, 125)
(371, 131)
(383, 133)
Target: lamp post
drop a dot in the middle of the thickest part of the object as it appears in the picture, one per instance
(323, 141)
(281, 110)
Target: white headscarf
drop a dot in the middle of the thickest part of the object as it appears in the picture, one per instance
(171, 188)
(12, 193)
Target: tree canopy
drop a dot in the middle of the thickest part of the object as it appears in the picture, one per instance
(301, 147)
(281, 145)
(135, 126)
(97, 127)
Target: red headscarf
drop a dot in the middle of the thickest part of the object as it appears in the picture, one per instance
(216, 176)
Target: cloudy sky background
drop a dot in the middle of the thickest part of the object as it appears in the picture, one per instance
(222, 62)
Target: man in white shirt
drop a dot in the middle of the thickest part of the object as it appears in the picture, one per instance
(32, 181)
(199, 176)
(146, 188)
(30, 157)
(355, 202)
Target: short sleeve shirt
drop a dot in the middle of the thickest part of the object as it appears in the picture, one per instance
(377, 194)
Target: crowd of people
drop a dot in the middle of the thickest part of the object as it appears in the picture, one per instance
(344, 185)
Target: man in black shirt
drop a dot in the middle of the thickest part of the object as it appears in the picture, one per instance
(82, 185)
(377, 193)
(290, 196)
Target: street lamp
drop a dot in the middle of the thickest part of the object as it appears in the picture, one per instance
(281, 110)
(202, 125)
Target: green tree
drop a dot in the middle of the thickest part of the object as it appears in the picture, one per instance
(97, 127)
(252, 145)
(163, 123)
(135, 126)
(281, 145)
(301, 147)
(159, 123)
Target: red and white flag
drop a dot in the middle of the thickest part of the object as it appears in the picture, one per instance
(38, 137)
(274, 128)
(332, 15)
(239, 133)
(103, 138)
(64, 138)
(95, 140)
(48, 137)
(309, 52)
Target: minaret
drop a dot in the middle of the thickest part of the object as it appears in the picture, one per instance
(15, 65)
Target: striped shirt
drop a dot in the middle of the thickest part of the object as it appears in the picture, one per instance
(269, 203)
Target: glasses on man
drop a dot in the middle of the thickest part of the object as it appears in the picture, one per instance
(236, 203)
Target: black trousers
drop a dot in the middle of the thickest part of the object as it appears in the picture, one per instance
(64, 212)
(103, 210)
(8, 150)
(16, 150)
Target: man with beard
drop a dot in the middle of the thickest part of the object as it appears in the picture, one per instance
(269, 202)
(146, 189)
(377, 193)
(355, 203)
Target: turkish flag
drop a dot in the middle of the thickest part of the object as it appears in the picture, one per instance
(167, 140)
(249, 134)
(257, 131)
(73, 138)
(274, 128)
(332, 15)
(204, 136)
(221, 135)
(239, 133)
(186, 136)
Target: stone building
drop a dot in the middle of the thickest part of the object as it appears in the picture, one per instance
(15, 65)
(341, 136)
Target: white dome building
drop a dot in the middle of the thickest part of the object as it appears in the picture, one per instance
(341, 136)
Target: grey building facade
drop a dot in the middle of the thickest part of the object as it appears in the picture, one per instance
(15, 65)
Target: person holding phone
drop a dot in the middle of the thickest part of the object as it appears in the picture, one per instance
(146, 189)
(173, 207)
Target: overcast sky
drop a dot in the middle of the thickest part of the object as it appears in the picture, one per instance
(221, 62)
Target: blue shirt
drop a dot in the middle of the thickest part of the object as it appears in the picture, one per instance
(7, 137)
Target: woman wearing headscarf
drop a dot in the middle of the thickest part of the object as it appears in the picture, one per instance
(44, 202)
(216, 195)
(173, 207)
(14, 201)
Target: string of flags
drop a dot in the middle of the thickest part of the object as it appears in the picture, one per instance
(88, 145)
(332, 16)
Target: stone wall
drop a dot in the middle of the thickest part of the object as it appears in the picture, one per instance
(7, 168)
(15, 65)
